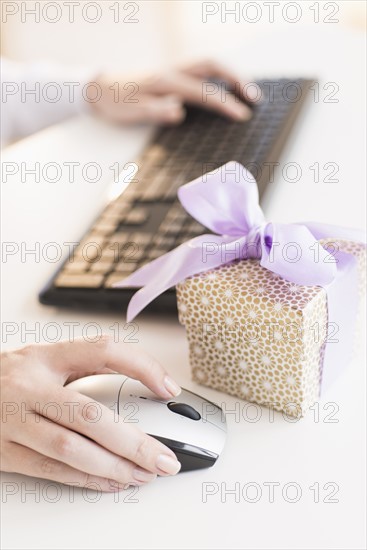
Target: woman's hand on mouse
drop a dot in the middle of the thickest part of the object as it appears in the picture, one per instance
(160, 99)
(52, 432)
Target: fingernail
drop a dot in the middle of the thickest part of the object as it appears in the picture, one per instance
(142, 475)
(173, 104)
(175, 114)
(168, 464)
(242, 113)
(171, 386)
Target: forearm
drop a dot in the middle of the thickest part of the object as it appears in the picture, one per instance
(37, 95)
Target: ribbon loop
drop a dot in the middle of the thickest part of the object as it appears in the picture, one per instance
(296, 255)
(226, 201)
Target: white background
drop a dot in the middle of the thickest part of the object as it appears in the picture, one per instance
(171, 513)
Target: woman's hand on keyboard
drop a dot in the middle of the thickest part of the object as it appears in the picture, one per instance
(160, 99)
(46, 429)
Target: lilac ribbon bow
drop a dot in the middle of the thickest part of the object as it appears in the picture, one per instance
(227, 202)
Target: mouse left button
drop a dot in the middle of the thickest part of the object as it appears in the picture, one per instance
(103, 388)
(184, 410)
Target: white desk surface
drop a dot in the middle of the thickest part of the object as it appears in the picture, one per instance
(171, 513)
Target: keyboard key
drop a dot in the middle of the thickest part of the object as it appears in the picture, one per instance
(164, 241)
(154, 253)
(105, 228)
(121, 245)
(127, 267)
(132, 252)
(182, 239)
(110, 253)
(85, 280)
(92, 237)
(195, 228)
(113, 213)
(171, 192)
(90, 247)
(157, 185)
(171, 228)
(131, 193)
(152, 192)
(137, 216)
(114, 278)
(156, 154)
(120, 237)
(144, 262)
(76, 266)
(176, 213)
(141, 238)
(103, 266)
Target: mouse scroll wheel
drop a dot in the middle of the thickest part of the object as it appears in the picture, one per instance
(184, 410)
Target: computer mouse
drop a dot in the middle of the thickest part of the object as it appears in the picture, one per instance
(193, 427)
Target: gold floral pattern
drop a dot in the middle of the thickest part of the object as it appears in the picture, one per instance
(260, 345)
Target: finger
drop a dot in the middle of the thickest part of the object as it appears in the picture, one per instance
(77, 375)
(70, 448)
(88, 357)
(146, 107)
(249, 90)
(161, 110)
(103, 427)
(194, 90)
(31, 463)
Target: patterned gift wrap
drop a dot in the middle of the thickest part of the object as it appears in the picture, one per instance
(256, 336)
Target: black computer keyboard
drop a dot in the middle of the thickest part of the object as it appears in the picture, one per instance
(147, 220)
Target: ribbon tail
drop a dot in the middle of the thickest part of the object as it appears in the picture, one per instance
(195, 256)
(326, 231)
(342, 307)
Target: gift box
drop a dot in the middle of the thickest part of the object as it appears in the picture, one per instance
(269, 309)
(254, 335)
